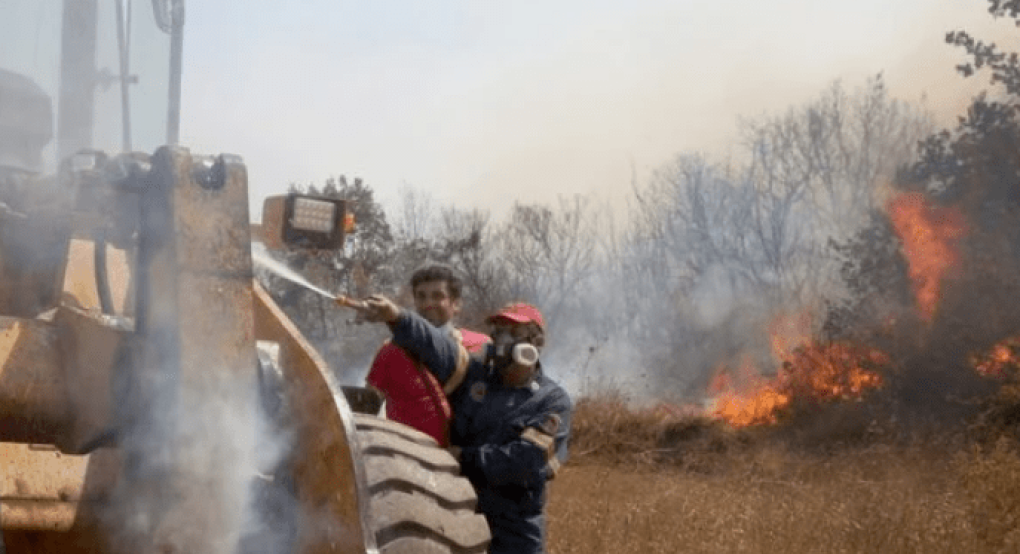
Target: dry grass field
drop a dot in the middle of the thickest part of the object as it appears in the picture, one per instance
(650, 481)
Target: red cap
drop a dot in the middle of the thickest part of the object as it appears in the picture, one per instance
(519, 312)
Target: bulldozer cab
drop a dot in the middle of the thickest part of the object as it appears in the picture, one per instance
(88, 75)
(85, 85)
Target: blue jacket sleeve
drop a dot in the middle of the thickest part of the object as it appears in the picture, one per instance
(435, 348)
(531, 457)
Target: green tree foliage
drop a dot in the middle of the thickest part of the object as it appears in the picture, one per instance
(976, 167)
(976, 164)
(972, 168)
(875, 274)
(1004, 66)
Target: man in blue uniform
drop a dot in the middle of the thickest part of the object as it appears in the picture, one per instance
(511, 422)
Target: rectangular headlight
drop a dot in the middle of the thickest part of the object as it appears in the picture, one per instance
(302, 221)
(313, 215)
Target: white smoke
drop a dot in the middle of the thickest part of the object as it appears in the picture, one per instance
(190, 472)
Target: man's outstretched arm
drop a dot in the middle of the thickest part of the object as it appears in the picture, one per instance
(439, 352)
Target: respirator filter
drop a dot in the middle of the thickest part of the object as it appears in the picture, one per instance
(524, 354)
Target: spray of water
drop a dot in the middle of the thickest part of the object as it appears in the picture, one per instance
(261, 256)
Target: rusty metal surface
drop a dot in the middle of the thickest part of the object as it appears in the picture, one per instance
(56, 503)
(193, 398)
(328, 471)
(32, 253)
(270, 231)
(91, 347)
(80, 277)
(39, 487)
(32, 407)
(54, 389)
(55, 378)
(200, 280)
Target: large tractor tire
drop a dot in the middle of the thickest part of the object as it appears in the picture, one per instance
(418, 502)
(404, 490)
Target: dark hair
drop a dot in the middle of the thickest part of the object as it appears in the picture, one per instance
(438, 272)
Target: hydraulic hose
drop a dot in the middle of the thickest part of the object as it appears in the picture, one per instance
(102, 277)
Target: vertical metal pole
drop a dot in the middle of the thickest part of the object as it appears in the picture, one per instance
(77, 77)
(173, 121)
(123, 54)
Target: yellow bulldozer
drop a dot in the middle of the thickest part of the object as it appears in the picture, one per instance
(153, 397)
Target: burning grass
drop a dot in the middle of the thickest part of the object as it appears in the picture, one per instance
(605, 429)
(657, 480)
(815, 372)
(901, 436)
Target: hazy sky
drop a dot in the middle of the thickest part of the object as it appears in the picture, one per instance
(481, 102)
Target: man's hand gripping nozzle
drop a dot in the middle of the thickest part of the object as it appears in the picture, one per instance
(345, 301)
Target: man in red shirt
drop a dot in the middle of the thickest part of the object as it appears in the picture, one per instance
(414, 396)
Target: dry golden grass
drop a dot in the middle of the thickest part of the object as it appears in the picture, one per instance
(644, 482)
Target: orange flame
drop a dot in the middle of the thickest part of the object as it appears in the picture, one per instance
(837, 370)
(789, 331)
(1000, 361)
(760, 407)
(929, 235)
(811, 371)
(749, 400)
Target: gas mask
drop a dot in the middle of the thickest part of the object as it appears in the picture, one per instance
(509, 351)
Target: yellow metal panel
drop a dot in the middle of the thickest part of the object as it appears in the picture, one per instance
(39, 487)
(80, 276)
(329, 478)
(32, 407)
